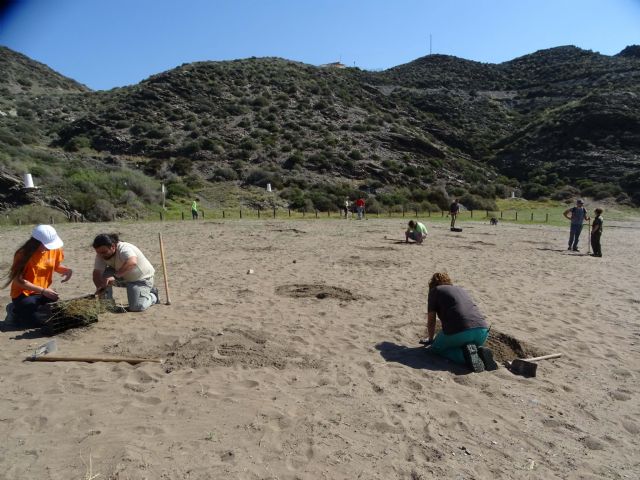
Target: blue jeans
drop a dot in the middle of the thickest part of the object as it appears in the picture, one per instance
(574, 235)
(31, 311)
(450, 346)
(139, 293)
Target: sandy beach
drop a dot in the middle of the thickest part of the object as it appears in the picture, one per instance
(309, 367)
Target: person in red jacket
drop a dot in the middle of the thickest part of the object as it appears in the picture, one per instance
(360, 208)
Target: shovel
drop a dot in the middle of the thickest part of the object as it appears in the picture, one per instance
(42, 354)
(527, 366)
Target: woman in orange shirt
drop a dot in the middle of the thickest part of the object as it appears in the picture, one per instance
(31, 276)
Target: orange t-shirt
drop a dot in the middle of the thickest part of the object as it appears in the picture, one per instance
(39, 270)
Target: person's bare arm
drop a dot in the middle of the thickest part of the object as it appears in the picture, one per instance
(27, 285)
(431, 325)
(566, 213)
(65, 272)
(128, 265)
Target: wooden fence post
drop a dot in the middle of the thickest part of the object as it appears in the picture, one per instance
(316, 213)
(223, 214)
(182, 213)
(516, 215)
(532, 216)
(161, 216)
(546, 218)
(274, 212)
(240, 213)
(258, 212)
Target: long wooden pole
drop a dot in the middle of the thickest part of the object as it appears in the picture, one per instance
(91, 359)
(164, 270)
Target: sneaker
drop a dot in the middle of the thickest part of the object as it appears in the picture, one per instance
(575, 249)
(472, 359)
(154, 290)
(486, 355)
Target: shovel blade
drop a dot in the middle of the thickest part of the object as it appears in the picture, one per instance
(524, 368)
(49, 347)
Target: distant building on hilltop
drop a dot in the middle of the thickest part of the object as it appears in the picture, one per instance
(334, 65)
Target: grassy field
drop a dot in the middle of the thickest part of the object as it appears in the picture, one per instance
(212, 208)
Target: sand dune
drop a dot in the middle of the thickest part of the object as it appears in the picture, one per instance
(309, 367)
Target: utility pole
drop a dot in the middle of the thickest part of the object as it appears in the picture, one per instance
(430, 44)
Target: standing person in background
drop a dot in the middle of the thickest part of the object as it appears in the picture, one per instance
(596, 233)
(194, 209)
(31, 276)
(347, 207)
(360, 208)
(454, 209)
(577, 215)
(122, 264)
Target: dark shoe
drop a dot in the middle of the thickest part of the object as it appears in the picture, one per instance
(154, 290)
(486, 355)
(575, 249)
(472, 359)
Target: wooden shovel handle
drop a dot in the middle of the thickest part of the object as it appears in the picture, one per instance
(544, 357)
(131, 360)
(164, 270)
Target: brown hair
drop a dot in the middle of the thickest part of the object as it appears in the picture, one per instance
(599, 211)
(21, 258)
(440, 278)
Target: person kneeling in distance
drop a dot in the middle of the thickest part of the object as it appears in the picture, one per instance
(416, 232)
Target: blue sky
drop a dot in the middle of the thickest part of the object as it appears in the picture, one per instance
(111, 43)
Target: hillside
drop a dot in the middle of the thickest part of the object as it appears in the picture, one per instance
(554, 122)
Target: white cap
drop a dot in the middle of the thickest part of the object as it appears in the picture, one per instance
(48, 236)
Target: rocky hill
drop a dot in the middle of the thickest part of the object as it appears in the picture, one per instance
(556, 122)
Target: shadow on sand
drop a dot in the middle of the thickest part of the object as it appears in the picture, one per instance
(22, 332)
(418, 358)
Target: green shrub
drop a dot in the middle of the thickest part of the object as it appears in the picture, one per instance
(355, 155)
(33, 215)
(224, 174)
(474, 202)
(77, 143)
(177, 189)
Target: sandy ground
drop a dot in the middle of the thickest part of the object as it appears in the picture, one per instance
(309, 367)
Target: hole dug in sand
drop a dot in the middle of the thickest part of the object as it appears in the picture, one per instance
(235, 347)
(315, 290)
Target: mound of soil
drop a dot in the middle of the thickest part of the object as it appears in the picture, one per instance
(506, 348)
(235, 347)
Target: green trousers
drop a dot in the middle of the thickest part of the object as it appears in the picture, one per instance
(450, 346)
